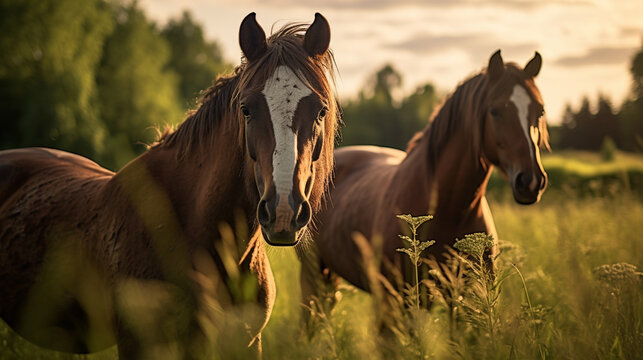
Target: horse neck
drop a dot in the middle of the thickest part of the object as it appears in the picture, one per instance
(206, 185)
(446, 161)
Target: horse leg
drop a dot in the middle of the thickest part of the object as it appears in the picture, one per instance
(160, 340)
(128, 344)
(156, 319)
(318, 290)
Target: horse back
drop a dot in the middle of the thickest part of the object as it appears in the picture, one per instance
(41, 188)
(353, 159)
(20, 166)
(362, 173)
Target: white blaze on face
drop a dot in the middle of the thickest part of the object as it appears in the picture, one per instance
(521, 100)
(283, 91)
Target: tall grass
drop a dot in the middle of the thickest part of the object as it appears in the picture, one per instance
(576, 296)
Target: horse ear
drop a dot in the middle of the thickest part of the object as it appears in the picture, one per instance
(496, 67)
(533, 66)
(252, 38)
(317, 38)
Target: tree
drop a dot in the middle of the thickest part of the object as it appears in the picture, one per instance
(631, 113)
(418, 108)
(376, 118)
(373, 119)
(587, 130)
(137, 91)
(607, 121)
(47, 92)
(386, 81)
(195, 60)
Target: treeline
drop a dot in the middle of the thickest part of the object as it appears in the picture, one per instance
(592, 127)
(96, 77)
(375, 117)
(588, 129)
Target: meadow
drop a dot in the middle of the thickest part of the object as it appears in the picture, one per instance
(570, 285)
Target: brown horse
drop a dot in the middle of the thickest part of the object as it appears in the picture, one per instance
(258, 149)
(493, 119)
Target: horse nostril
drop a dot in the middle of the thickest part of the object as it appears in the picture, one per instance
(522, 181)
(263, 214)
(303, 215)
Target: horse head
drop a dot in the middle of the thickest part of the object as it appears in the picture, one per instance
(290, 117)
(514, 126)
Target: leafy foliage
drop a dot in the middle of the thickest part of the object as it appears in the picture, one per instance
(196, 60)
(94, 77)
(136, 90)
(47, 89)
(587, 130)
(631, 113)
(377, 118)
(414, 252)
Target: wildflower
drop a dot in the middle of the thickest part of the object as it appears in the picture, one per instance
(475, 244)
(415, 221)
(618, 273)
(416, 246)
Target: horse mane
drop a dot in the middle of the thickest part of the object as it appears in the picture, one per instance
(218, 107)
(460, 110)
(213, 105)
(464, 110)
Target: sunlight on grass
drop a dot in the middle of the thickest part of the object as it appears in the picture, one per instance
(587, 163)
(563, 246)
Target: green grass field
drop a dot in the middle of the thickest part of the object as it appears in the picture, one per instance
(576, 313)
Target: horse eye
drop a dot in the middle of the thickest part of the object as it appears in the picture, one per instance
(494, 112)
(245, 111)
(322, 113)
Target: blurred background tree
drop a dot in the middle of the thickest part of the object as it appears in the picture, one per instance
(585, 129)
(631, 113)
(196, 60)
(377, 118)
(94, 77)
(48, 94)
(136, 89)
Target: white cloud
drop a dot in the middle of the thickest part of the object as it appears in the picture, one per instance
(445, 41)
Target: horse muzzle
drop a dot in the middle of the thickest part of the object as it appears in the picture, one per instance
(281, 217)
(528, 187)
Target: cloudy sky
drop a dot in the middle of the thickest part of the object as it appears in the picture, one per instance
(586, 45)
